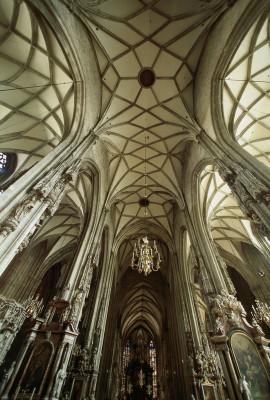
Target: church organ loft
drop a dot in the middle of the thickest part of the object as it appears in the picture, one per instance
(135, 201)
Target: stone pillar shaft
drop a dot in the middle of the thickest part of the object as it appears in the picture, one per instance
(17, 368)
(42, 201)
(212, 279)
(97, 336)
(54, 369)
(11, 242)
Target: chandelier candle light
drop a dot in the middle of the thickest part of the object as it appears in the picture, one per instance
(261, 312)
(143, 256)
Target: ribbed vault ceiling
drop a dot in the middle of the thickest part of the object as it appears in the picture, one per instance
(153, 123)
(246, 99)
(142, 304)
(36, 110)
(143, 129)
(37, 98)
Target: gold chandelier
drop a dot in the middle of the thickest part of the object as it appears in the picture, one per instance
(261, 312)
(145, 258)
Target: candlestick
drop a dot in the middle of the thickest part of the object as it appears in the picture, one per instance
(16, 393)
(32, 394)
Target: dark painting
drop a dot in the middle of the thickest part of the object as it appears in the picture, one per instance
(208, 392)
(250, 365)
(35, 371)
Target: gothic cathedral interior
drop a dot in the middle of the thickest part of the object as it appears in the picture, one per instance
(134, 199)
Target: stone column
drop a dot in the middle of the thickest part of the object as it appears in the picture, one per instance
(78, 294)
(40, 203)
(61, 374)
(74, 289)
(78, 280)
(95, 338)
(264, 244)
(223, 268)
(54, 369)
(96, 352)
(224, 355)
(229, 315)
(29, 341)
(204, 253)
(82, 290)
(71, 316)
(12, 315)
(205, 278)
(180, 323)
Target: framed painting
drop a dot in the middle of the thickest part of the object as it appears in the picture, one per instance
(208, 391)
(250, 366)
(36, 370)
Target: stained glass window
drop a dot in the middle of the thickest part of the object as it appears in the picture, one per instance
(3, 162)
(8, 162)
(125, 362)
(153, 364)
(3, 165)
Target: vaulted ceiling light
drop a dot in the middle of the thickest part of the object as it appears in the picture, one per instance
(144, 257)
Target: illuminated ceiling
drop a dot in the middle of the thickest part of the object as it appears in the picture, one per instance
(37, 98)
(246, 100)
(227, 223)
(152, 123)
(166, 37)
(129, 36)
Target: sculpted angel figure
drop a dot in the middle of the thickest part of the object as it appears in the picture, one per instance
(244, 388)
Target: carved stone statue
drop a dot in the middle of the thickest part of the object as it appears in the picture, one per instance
(244, 388)
(233, 318)
(84, 359)
(59, 379)
(257, 327)
(24, 208)
(18, 215)
(65, 291)
(77, 305)
(199, 360)
(219, 329)
(6, 376)
(191, 363)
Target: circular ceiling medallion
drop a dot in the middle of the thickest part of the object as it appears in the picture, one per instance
(144, 202)
(147, 77)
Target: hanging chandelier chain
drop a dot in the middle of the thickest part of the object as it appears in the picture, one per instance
(145, 196)
(144, 257)
(145, 169)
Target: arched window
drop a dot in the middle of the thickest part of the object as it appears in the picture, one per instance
(125, 362)
(3, 162)
(7, 166)
(153, 364)
(3, 166)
